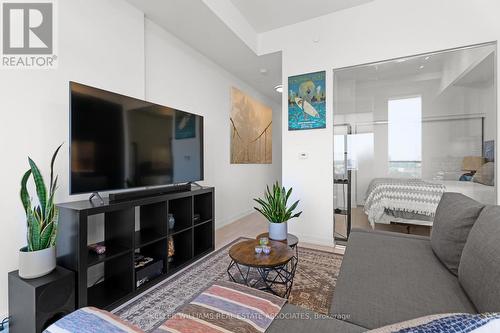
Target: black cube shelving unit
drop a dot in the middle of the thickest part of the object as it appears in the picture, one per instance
(124, 237)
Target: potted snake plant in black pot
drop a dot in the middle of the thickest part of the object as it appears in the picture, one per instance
(274, 207)
(38, 258)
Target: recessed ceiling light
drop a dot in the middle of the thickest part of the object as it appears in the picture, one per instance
(279, 88)
(263, 71)
(427, 58)
(422, 67)
(401, 60)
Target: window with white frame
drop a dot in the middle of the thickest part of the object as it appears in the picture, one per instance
(405, 137)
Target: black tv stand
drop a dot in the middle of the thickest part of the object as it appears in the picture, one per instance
(128, 227)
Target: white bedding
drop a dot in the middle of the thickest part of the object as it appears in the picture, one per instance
(483, 193)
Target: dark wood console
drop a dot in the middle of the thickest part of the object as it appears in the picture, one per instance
(128, 227)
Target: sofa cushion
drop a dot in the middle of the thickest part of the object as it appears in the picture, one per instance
(455, 216)
(387, 278)
(295, 319)
(479, 271)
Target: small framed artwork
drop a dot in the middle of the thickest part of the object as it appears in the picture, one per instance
(307, 101)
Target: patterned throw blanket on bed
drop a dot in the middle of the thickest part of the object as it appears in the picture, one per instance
(226, 307)
(403, 195)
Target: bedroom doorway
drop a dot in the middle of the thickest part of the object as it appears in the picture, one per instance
(409, 129)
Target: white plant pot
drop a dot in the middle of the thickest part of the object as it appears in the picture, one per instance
(37, 263)
(278, 231)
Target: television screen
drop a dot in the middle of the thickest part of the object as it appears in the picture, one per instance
(119, 142)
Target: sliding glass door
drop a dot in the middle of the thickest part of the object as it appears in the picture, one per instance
(419, 126)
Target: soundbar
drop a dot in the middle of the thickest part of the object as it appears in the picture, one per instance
(124, 196)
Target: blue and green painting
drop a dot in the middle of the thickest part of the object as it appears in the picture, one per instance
(307, 101)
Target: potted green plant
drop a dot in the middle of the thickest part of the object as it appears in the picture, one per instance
(274, 207)
(38, 258)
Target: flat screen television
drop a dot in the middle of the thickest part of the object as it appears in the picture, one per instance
(119, 142)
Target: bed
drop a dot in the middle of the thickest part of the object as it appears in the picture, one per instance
(414, 201)
(479, 192)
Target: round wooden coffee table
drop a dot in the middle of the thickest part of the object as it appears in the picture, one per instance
(274, 269)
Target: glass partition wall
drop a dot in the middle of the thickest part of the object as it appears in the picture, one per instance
(408, 130)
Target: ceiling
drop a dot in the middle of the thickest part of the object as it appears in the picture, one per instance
(213, 28)
(265, 15)
(436, 73)
(404, 68)
(196, 25)
(423, 68)
(482, 75)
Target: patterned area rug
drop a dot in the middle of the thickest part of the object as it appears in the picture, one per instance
(313, 286)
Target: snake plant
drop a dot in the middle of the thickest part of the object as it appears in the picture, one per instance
(274, 205)
(42, 218)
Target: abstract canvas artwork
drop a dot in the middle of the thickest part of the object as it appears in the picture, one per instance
(251, 130)
(307, 101)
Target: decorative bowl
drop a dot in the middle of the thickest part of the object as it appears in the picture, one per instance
(263, 240)
(258, 249)
(266, 249)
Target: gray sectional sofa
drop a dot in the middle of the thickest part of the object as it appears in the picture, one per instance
(387, 277)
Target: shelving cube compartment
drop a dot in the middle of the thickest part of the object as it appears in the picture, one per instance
(152, 224)
(156, 250)
(183, 250)
(203, 207)
(117, 282)
(182, 209)
(151, 235)
(203, 238)
(117, 262)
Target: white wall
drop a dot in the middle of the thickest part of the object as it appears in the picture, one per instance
(101, 43)
(98, 40)
(380, 30)
(182, 78)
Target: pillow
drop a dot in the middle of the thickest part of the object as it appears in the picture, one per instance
(455, 215)
(485, 174)
(446, 323)
(479, 271)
